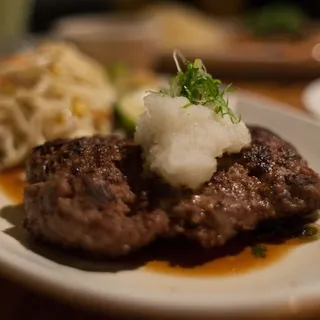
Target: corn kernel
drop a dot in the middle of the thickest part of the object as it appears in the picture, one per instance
(79, 107)
(62, 116)
(55, 69)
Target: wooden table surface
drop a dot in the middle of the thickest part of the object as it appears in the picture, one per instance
(18, 303)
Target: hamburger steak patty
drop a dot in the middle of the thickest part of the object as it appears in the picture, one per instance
(91, 194)
(80, 196)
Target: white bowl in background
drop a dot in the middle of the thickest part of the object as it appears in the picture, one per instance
(112, 39)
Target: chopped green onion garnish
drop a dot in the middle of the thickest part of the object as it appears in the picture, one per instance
(259, 251)
(310, 232)
(198, 86)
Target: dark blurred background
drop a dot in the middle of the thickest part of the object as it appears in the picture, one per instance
(47, 11)
(235, 37)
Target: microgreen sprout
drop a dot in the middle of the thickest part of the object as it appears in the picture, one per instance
(198, 86)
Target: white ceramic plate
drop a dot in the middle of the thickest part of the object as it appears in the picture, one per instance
(311, 98)
(290, 286)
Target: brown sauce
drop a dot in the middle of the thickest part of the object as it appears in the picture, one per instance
(12, 184)
(236, 257)
(185, 258)
(221, 261)
(180, 257)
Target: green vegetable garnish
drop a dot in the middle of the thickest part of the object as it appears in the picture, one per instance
(117, 70)
(275, 19)
(259, 251)
(310, 232)
(198, 86)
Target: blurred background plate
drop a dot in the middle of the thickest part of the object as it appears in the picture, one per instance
(277, 41)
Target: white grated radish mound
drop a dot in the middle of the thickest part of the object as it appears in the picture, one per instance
(182, 144)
